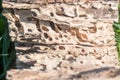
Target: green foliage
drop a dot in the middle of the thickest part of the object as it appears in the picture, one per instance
(116, 27)
(3, 23)
(7, 48)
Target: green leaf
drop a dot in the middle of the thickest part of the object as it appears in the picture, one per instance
(116, 25)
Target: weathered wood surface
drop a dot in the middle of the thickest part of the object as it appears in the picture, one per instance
(62, 37)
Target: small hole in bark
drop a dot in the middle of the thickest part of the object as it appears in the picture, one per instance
(33, 14)
(71, 68)
(53, 48)
(50, 39)
(71, 59)
(83, 50)
(46, 35)
(81, 62)
(56, 38)
(45, 28)
(30, 30)
(69, 52)
(39, 30)
(61, 47)
(65, 36)
(51, 14)
(14, 30)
